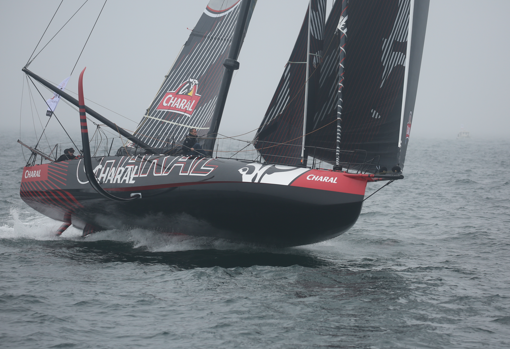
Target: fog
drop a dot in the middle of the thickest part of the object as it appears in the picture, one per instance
(463, 81)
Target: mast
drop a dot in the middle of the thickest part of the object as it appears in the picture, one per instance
(230, 65)
(91, 112)
(341, 70)
(307, 77)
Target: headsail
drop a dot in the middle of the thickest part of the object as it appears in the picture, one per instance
(188, 95)
(280, 135)
(375, 71)
(322, 127)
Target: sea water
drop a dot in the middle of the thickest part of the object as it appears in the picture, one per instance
(426, 266)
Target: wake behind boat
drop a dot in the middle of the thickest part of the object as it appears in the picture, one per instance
(346, 98)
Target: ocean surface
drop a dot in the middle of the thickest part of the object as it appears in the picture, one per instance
(426, 266)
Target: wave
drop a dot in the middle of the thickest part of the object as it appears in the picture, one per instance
(465, 181)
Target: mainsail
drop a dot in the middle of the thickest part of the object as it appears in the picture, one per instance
(376, 67)
(188, 95)
(280, 136)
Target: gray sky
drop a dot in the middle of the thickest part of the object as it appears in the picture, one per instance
(463, 82)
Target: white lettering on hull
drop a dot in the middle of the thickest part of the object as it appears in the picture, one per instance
(33, 174)
(322, 179)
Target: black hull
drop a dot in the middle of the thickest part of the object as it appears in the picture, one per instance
(221, 204)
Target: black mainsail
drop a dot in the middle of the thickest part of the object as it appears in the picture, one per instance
(280, 136)
(188, 95)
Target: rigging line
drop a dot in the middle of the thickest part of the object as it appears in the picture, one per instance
(98, 142)
(76, 109)
(55, 116)
(40, 122)
(32, 111)
(28, 62)
(72, 106)
(122, 140)
(97, 19)
(53, 37)
(276, 145)
(247, 145)
(90, 101)
(21, 104)
(378, 190)
(227, 137)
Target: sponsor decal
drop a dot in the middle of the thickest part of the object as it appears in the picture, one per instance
(127, 170)
(332, 181)
(36, 173)
(184, 100)
(270, 174)
(325, 179)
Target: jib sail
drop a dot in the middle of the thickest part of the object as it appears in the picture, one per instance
(188, 95)
(279, 138)
(323, 127)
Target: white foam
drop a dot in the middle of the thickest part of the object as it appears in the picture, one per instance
(26, 225)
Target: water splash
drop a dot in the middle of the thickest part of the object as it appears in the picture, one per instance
(24, 225)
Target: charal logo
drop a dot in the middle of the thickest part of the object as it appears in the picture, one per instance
(36, 173)
(321, 179)
(183, 100)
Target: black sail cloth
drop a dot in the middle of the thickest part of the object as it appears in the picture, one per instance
(322, 130)
(375, 72)
(280, 136)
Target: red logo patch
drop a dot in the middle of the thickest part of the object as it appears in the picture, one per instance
(183, 100)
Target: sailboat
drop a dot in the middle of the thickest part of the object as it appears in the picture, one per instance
(346, 99)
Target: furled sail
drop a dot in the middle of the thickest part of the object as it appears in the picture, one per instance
(376, 67)
(279, 138)
(188, 95)
(323, 128)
